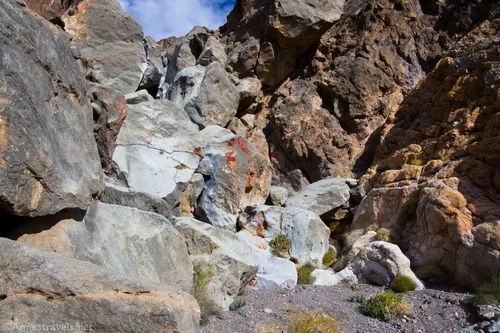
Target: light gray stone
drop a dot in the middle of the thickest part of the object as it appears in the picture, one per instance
(273, 272)
(308, 233)
(137, 243)
(265, 221)
(278, 195)
(213, 51)
(109, 41)
(48, 155)
(46, 288)
(207, 94)
(219, 249)
(138, 97)
(377, 263)
(327, 277)
(121, 195)
(321, 197)
(155, 148)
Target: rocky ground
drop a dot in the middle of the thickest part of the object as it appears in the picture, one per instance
(436, 310)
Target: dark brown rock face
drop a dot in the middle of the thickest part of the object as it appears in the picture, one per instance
(51, 10)
(325, 120)
(441, 154)
(268, 38)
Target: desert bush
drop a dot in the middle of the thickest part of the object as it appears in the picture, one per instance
(203, 275)
(280, 244)
(330, 257)
(403, 283)
(386, 306)
(237, 304)
(416, 161)
(304, 273)
(383, 234)
(488, 293)
(314, 322)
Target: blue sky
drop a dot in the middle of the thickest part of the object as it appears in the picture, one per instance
(164, 18)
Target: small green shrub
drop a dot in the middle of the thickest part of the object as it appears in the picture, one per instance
(304, 273)
(71, 12)
(237, 304)
(329, 258)
(386, 306)
(403, 283)
(314, 322)
(416, 161)
(280, 245)
(488, 293)
(203, 275)
(383, 234)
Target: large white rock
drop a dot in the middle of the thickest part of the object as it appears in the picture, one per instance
(137, 243)
(155, 148)
(378, 263)
(327, 277)
(219, 249)
(308, 233)
(273, 272)
(321, 197)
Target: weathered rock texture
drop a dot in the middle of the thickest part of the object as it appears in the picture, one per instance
(365, 64)
(136, 243)
(45, 117)
(42, 288)
(239, 174)
(51, 10)
(438, 161)
(156, 148)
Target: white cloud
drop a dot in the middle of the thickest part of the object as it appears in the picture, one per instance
(164, 18)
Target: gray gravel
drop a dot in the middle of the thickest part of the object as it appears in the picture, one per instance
(268, 311)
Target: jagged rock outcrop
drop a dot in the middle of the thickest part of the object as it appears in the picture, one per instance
(196, 129)
(39, 287)
(364, 66)
(206, 93)
(44, 118)
(109, 43)
(438, 160)
(267, 38)
(51, 10)
(239, 176)
(137, 243)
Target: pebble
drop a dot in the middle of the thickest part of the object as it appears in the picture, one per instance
(266, 310)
